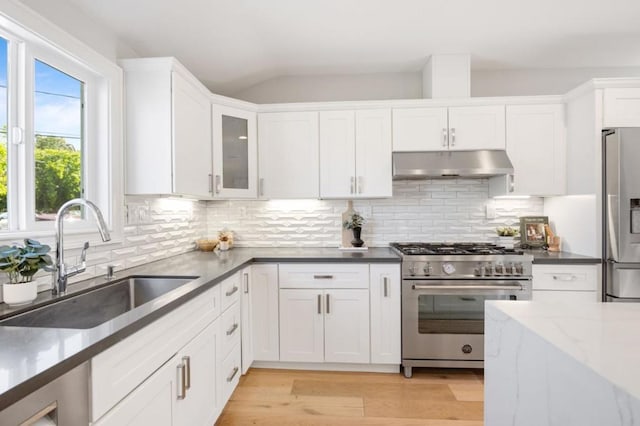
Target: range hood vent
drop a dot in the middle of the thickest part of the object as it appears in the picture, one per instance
(447, 164)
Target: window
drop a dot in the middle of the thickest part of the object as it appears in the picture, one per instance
(60, 129)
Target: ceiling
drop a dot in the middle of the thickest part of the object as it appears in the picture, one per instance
(231, 45)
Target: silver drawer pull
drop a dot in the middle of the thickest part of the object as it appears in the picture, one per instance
(328, 304)
(320, 304)
(233, 290)
(233, 328)
(565, 277)
(187, 367)
(246, 283)
(323, 277)
(233, 374)
(386, 286)
(182, 387)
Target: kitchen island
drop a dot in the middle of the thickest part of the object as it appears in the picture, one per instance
(562, 364)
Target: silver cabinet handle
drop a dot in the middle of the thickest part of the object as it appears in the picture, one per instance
(328, 306)
(512, 183)
(187, 368)
(444, 137)
(210, 183)
(246, 283)
(232, 330)
(320, 304)
(230, 292)
(360, 184)
(353, 184)
(385, 281)
(218, 184)
(453, 136)
(261, 187)
(233, 374)
(565, 277)
(182, 388)
(323, 277)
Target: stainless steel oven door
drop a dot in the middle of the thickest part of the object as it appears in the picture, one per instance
(444, 319)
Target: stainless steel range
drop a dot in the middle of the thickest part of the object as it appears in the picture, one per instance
(444, 287)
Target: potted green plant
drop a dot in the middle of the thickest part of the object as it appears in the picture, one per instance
(355, 223)
(21, 263)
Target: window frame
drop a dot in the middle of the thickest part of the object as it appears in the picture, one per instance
(102, 126)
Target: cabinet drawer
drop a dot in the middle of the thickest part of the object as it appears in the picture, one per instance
(565, 296)
(324, 276)
(230, 374)
(230, 328)
(230, 291)
(121, 368)
(565, 277)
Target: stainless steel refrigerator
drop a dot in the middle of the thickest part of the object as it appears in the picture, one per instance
(621, 214)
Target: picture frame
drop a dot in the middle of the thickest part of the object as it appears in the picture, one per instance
(533, 231)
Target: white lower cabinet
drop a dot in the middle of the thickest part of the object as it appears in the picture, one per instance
(181, 392)
(566, 283)
(385, 302)
(264, 310)
(247, 320)
(324, 325)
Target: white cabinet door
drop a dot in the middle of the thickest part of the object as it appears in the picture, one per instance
(337, 154)
(191, 138)
(151, 403)
(247, 320)
(346, 326)
(477, 127)
(301, 325)
(385, 314)
(373, 153)
(200, 404)
(264, 303)
(621, 107)
(420, 129)
(537, 148)
(288, 155)
(235, 153)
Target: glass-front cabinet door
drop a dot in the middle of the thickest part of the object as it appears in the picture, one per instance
(234, 153)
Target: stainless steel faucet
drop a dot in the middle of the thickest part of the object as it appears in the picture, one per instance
(62, 271)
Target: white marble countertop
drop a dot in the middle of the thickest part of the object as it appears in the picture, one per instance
(605, 337)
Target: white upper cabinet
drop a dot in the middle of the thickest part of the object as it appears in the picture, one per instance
(235, 153)
(168, 129)
(461, 128)
(621, 107)
(420, 129)
(288, 155)
(536, 145)
(355, 154)
(476, 127)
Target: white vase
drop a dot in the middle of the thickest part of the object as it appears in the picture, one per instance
(223, 245)
(19, 294)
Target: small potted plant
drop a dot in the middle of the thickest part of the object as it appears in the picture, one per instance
(20, 263)
(355, 223)
(506, 236)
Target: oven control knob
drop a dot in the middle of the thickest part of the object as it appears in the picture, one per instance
(448, 268)
(427, 269)
(489, 269)
(499, 269)
(479, 270)
(412, 270)
(519, 268)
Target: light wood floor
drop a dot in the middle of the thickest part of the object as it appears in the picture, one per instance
(285, 397)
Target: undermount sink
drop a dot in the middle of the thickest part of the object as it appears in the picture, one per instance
(90, 309)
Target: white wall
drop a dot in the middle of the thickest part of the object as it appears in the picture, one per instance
(539, 81)
(319, 88)
(75, 22)
(575, 219)
(409, 85)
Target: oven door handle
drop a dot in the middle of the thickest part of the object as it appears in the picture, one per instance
(467, 287)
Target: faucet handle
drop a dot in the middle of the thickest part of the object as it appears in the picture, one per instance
(83, 255)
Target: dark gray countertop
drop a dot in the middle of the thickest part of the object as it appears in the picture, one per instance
(543, 257)
(32, 357)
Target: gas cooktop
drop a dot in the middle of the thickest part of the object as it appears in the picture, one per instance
(422, 249)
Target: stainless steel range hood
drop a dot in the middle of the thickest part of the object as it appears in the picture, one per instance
(443, 164)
